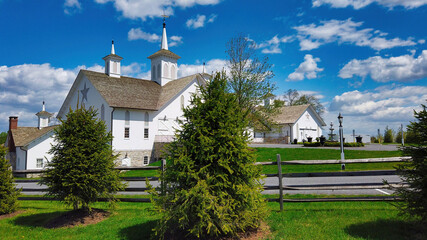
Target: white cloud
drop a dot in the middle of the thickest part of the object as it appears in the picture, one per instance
(175, 41)
(212, 18)
(272, 46)
(199, 21)
(371, 110)
(137, 33)
(211, 66)
(307, 69)
(72, 6)
(137, 9)
(312, 36)
(357, 4)
(403, 68)
(313, 93)
(24, 87)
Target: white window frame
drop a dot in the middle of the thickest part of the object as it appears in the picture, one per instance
(39, 165)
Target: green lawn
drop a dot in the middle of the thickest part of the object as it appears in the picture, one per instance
(346, 220)
(269, 154)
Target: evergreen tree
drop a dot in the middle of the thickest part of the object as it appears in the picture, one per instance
(211, 186)
(8, 192)
(414, 171)
(3, 137)
(388, 135)
(82, 166)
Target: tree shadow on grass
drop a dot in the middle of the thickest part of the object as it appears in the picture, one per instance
(36, 220)
(384, 229)
(139, 231)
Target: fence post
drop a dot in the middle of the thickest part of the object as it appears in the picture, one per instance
(279, 167)
(162, 184)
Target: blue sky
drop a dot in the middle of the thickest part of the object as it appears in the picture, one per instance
(364, 58)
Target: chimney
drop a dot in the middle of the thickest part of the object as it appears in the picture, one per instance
(13, 122)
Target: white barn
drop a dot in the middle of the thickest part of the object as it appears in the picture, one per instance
(29, 146)
(292, 122)
(141, 114)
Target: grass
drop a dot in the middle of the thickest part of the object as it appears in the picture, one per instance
(346, 220)
(269, 154)
(287, 154)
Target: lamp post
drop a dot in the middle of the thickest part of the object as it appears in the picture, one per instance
(341, 142)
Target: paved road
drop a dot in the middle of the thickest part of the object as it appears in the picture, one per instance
(367, 147)
(286, 181)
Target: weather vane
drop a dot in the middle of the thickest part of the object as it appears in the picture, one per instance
(164, 16)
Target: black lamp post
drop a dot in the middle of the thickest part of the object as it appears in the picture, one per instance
(340, 117)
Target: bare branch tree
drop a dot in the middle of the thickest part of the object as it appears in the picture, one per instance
(249, 76)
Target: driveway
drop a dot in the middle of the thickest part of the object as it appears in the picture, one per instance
(367, 147)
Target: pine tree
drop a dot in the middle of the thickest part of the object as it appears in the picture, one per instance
(82, 166)
(8, 192)
(211, 186)
(414, 171)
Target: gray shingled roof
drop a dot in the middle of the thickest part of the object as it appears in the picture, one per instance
(22, 136)
(290, 114)
(127, 92)
(164, 52)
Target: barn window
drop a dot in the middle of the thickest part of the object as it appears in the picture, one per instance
(39, 163)
(127, 132)
(146, 133)
(146, 160)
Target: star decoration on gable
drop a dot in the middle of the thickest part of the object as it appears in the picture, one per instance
(84, 93)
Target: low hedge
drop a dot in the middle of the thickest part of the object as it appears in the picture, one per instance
(333, 144)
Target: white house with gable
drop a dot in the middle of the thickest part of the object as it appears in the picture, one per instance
(292, 122)
(28, 146)
(141, 114)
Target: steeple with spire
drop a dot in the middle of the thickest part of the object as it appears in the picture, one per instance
(164, 37)
(164, 66)
(44, 117)
(112, 63)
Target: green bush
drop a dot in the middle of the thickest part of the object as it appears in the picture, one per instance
(82, 166)
(8, 192)
(211, 186)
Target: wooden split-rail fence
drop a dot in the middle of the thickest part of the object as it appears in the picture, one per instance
(280, 175)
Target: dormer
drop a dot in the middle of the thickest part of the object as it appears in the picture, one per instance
(112, 63)
(164, 63)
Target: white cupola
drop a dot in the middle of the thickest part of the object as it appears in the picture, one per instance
(112, 63)
(44, 117)
(164, 66)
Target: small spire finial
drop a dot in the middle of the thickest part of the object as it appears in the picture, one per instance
(164, 37)
(203, 67)
(112, 47)
(43, 108)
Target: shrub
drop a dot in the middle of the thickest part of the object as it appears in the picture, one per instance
(8, 192)
(333, 144)
(211, 186)
(82, 166)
